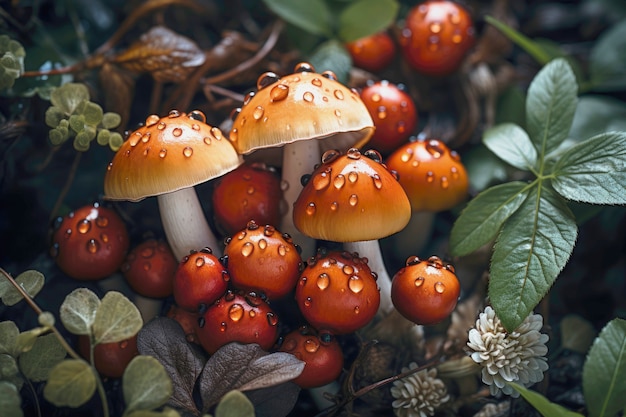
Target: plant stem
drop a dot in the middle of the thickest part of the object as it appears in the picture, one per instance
(67, 185)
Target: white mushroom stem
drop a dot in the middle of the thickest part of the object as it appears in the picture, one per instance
(414, 237)
(370, 249)
(184, 223)
(299, 158)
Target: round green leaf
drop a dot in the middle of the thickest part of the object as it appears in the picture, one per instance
(31, 281)
(69, 96)
(46, 353)
(115, 141)
(333, 56)
(9, 332)
(117, 319)
(77, 122)
(71, 383)
(234, 404)
(379, 15)
(146, 384)
(78, 311)
(81, 142)
(111, 120)
(26, 340)
(92, 113)
(10, 400)
(53, 116)
(8, 366)
(103, 137)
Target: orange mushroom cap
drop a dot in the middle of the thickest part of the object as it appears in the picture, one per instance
(168, 154)
(351, 198)
(300, 106)
(432, 175)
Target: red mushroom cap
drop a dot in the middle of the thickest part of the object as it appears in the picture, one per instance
(200, 280)
(149, 269)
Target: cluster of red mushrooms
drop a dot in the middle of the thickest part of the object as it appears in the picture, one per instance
(337, 187)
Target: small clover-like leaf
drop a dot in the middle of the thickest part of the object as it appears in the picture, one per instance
(379, 15)
(512, 144)
(92, 113)
(78, 311)
(31, 282)
(53, 116)
(115, 141)
(103, 137)
(46, 353)
(71, 383)
(11, 61)
(10, 400)
(604, 381)
(8, 366)
(117, 319)
(9, 332)
(81, 142)
(77, 122)
(69, 96)
(542, 404)
(234, 404)
(111, 120)
(146, 384)
(58, 135)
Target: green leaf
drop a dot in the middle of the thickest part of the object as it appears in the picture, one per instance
(10, 400)
(31, 282)
(313, 16)
(332, 56)
(597, 114)
(167, 412)
(111, 120)
(92, 113)
(69, 96)
(542, 404)
(484, 168)
(604, 372)
(512, 144)
(8, 367)
(234, 404)
(594, 171)
(117, 319)
(8, 341)
(511, 107)
(78, 311)
(53, 116)
(532, 248)
(146, 384)
(482, 218)
(532, 48)
(103, 137)
(115, 141)
(26, 340)
(606, 67)
(550, 105)
(71, 383)
(77, 122)
(379, 15)
(46, 353)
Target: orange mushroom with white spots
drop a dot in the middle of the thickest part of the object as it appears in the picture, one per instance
(353, 198)
(435, 180)
(166, 158)
(300, 111)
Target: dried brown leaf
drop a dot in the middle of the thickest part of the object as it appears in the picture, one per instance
(166, 55)
(119, 87)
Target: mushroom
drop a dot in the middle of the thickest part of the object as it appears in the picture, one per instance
(149, 268)
(295, 111)
(353, 198)
(434, 179)
(165, 158)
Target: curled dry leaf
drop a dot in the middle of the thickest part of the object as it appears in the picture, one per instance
(118, 86)
(166, 55)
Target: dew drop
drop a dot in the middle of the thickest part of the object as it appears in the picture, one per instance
(235, 113)
(376, 98)
(330, 156)
(258, 112)
(338, 94)
(248, 97)
(195, 127)
(316, 82)
(92, 246)
(334, 206)
(147, 253)
(435, 27)
(262, 243)
(355, 284)
(378, 183)
(279, 92)
(188, 151)
(323, 281)
(68, 233)
(201, 322)
(235, 312)
(54, 250)
(353, 176)
(353, 200)
(223, 326)
(348, 270)
(419, 281)
(321, 181)
(304, 67)
(272, 319)
(152, 120)
(353, 153)
(307, 302)
(173, 114)
(177, 131)
(282, 250)
(457, 38)
(217, 133)
(311, 346)
(405, 157)
(382, 112)
(247, 249)
(147, 266)
(444, 183)
(241, 235)
(266, 79)
(338, 113)
(339, 181)
(401, 126)
(83, 226)
(200, 261)
(161, 126)
(430, 176)
(310, 209)
(435, 148)
(440, 287)
(455, 18)
(330, 75)
(197, 115)
(104, 237)
(162, 153)
(308, 97)
(290, 344)
(433, 43)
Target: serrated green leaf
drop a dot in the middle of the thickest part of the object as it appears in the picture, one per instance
(8, 366)
(534, 245)
(146, 384)
(46, 353)
(117, 319)
(69, 96)
(332, 56)
(550, 106)
(9, 332)
(31, 282)
(379, 15)
(111, 120)
(542, 404)
(482, 218)
(512, 144)
(313, 16)
(604, 372)
(92, 113)
(78, 311)
(606, 66)
(10, 400)
(234, 404)
(594, 171)
(26, 340)
(71, 383)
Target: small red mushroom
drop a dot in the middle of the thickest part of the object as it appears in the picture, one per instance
(149, 269)
(250, 192)
(372, 53)
(234, 317)
(337, 292)
(90, 243)
(200, 280)
(425, 292)
(264, 260)
(109, 359)
(188, 321)
(322, 356)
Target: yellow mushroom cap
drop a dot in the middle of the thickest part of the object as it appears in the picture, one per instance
(301, 106)
(168, 154)
(351, 198)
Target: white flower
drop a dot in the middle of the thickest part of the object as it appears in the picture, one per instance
(518, 356)
(418, 394)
